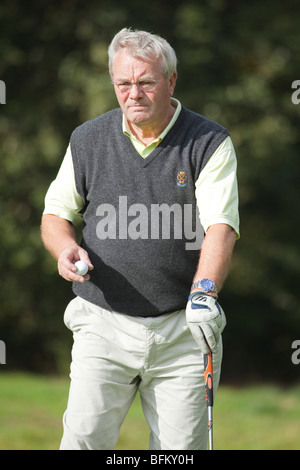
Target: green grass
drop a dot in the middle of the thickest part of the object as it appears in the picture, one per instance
(250, 418)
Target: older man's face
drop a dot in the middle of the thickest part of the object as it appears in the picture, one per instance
(142, 108)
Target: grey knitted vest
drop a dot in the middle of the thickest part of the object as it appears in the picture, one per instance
(141, 226)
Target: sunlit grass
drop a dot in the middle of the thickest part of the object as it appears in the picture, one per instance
(249, 418)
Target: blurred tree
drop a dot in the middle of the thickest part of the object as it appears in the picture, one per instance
(236, 66)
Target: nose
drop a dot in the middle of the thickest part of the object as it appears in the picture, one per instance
(136, 91)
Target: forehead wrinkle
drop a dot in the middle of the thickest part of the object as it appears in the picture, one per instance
(132, 68)
(133, 75)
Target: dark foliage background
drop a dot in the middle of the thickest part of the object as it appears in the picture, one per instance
(237, 62)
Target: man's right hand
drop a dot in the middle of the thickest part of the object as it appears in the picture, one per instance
(66, 263)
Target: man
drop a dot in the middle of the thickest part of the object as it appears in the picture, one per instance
(137, 179)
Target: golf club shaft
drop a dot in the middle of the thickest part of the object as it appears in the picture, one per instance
(208, 380)
(210, 428)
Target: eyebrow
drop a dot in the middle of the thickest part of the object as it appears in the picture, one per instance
(141, 79)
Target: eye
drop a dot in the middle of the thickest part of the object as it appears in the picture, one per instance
(148, 85)
(124, 87)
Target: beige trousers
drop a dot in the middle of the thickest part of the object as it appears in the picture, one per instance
(113, 357)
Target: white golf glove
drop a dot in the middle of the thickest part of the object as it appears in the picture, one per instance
(206, 320)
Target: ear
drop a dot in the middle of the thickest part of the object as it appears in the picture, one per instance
(172, 83)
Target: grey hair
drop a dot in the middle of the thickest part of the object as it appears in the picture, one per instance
(145, 46)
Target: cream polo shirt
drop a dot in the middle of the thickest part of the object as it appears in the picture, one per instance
(216, 189)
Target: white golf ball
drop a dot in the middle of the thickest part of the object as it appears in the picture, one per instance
(82, 267)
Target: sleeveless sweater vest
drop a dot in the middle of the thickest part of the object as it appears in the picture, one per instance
(141, 225)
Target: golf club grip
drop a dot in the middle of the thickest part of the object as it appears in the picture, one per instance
(208, 379)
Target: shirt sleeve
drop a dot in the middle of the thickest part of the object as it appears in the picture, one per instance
(217, 189)
(62, 198)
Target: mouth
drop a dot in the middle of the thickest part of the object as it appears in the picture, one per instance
(138, 107)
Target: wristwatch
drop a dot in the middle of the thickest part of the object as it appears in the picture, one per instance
(206, 285)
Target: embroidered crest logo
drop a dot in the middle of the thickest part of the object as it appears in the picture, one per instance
(182, 179)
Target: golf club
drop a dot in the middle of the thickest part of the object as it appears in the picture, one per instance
(208, 380)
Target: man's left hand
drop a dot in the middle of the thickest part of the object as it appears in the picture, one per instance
(206, 320)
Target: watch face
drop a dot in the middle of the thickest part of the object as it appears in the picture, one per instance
(206, 285)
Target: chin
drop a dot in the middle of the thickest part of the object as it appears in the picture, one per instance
(138, 118)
